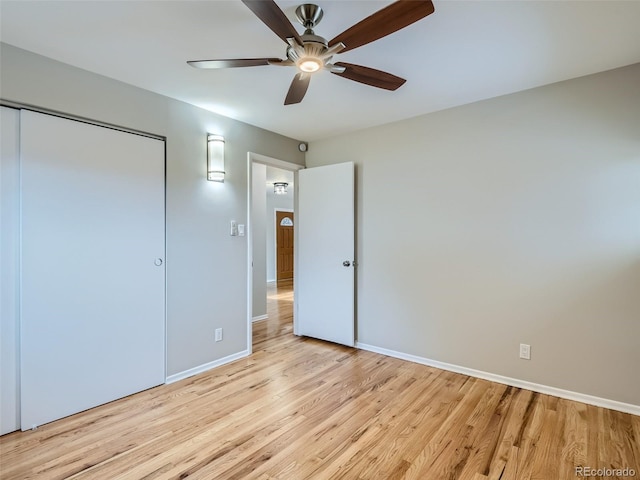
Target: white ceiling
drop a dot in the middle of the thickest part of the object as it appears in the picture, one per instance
(464, 52)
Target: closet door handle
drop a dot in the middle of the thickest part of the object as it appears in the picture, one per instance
(158, 262)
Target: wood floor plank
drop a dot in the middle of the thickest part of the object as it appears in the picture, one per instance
(300, 408)
(483, 453)
(376, 419)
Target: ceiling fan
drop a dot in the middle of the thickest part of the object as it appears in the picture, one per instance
(310, 53)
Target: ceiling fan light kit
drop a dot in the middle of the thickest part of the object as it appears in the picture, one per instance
(311, 53)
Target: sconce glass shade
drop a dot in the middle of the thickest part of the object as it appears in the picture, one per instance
(280, 188)
(215, 157)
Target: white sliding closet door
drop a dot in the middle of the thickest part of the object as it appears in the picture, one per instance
(9, 252)
(92, 271)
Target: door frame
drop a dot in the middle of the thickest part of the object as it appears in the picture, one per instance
(275, 237)
(252, 158)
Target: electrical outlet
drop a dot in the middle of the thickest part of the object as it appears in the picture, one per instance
(525, 351)
(218, 334)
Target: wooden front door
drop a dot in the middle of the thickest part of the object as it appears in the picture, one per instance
(284, 246)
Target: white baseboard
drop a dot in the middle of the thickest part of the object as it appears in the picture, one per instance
(259, 317)
(514, 382)
(207, 366)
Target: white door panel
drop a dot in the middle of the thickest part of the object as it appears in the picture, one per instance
(9, 252)
(325, 287)
(92, 309)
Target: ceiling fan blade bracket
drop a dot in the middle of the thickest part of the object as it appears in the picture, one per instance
(295, 42)
(295, 45)
(334, 68)
(333, 49)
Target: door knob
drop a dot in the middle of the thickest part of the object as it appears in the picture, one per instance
(346, 263)
(158, 262)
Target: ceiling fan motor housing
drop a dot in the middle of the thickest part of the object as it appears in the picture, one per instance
(310, 56)
(314, 53)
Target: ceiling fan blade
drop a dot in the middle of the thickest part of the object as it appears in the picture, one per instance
(369, 76)
(390, 19)
(298, 88)
(234, 62)
(274, 18)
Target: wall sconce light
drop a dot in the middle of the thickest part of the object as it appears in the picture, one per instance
(215, 158)
(280, 188)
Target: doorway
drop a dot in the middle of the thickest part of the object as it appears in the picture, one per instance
(271, 248)
(279, 322)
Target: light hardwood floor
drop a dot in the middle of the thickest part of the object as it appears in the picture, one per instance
(304, 409)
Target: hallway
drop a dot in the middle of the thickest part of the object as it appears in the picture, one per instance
(279, 323)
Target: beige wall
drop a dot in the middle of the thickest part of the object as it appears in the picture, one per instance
(259, 239)
(507, 221)
(206, 268)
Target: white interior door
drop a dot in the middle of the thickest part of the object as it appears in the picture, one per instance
(92, 271)
(325, 272)
(9, 254)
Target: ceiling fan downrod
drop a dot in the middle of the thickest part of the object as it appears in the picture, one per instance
(309, 15)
